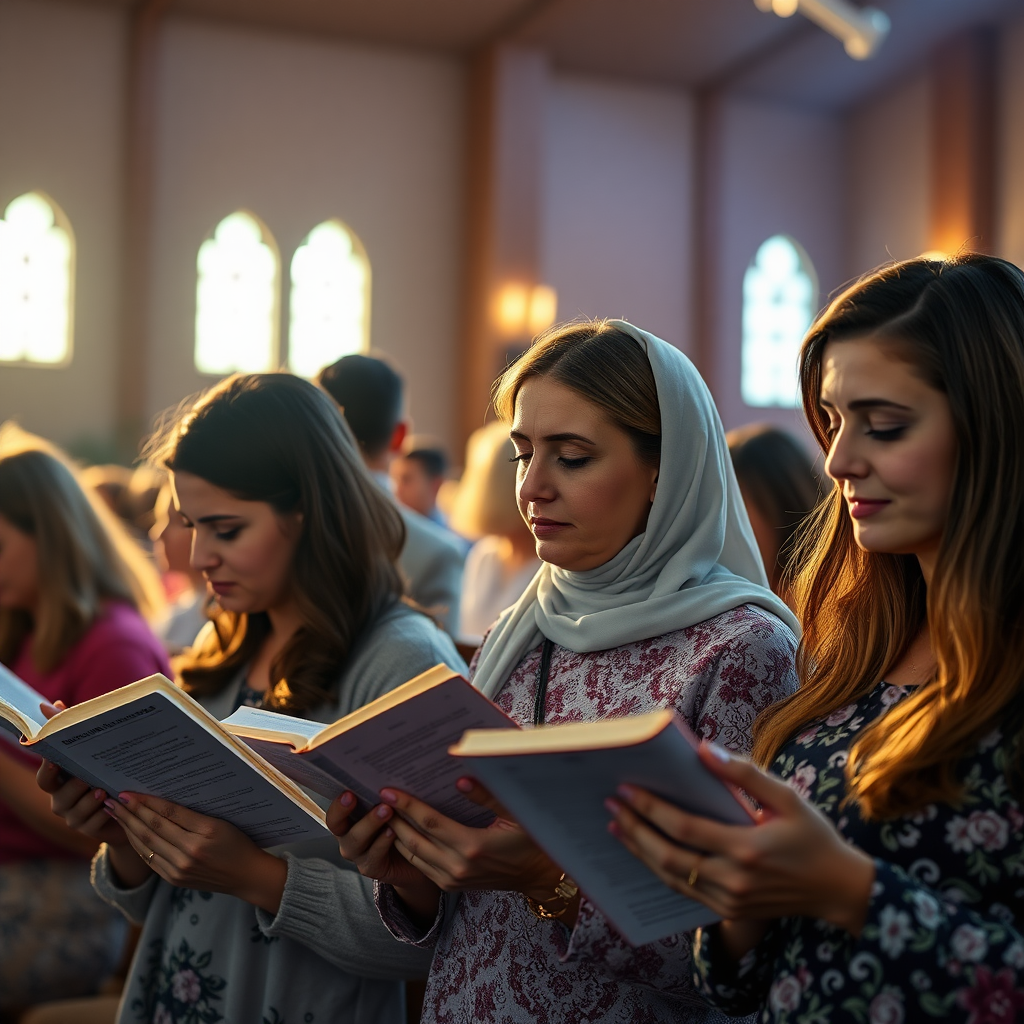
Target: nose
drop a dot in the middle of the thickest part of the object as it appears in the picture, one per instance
(203, 557)
(844, 461)
(535, 483)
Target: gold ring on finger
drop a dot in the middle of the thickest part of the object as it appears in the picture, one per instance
(692, 880)
(149, 859)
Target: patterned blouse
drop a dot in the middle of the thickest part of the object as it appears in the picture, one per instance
(943, 935)
(494, 961)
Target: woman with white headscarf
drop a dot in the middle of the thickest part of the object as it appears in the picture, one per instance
(651, 594)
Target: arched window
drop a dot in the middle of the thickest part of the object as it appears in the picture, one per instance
(330, 299)
(37, 262)
(237, 299)
(780, 293)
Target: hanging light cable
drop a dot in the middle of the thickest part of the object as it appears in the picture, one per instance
(862, 30)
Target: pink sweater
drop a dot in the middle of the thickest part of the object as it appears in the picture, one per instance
(116, 650)
(494, 963)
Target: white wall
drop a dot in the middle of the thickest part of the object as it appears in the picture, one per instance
(61, 70)
(617, 231)
(778, 171)
(889, 176)
(298, 130)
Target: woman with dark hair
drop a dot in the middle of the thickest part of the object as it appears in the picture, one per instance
(75, 591)
(779, 488)
(884, 880)
(651, 594)
(298, 545)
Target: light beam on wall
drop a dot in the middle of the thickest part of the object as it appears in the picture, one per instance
(521, 310)
(862, 30)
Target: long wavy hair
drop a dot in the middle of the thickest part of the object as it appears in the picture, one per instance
(960, 324)
(86, 556)
(276, 438)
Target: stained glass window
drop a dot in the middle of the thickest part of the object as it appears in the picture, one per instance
(330, 299)
(780, 294)
(237, 298)
(37, 258)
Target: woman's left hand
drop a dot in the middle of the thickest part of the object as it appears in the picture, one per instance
(790, 862)
(193, 851)
(456, 857)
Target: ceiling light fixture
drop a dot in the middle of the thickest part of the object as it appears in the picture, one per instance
(862, 30)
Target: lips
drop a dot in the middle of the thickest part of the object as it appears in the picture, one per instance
(546, 527)
(219, 587)
(862, 508)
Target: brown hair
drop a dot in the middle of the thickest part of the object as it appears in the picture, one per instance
(776, 474)
(278, 439)
(86, 556)
(960, 324)
(604, 365)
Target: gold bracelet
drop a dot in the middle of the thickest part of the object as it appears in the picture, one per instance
(565, 891)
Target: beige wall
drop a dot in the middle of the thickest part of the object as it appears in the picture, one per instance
(60, 131)
(299, 130)
(889, 176)
(617, 233)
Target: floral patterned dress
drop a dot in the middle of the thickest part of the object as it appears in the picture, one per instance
(494, 962)
(943, 934)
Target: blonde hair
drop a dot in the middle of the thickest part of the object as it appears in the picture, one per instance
(960, 325)
(86, 556)
(485, 503)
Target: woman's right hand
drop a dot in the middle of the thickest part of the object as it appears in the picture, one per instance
(369, 843)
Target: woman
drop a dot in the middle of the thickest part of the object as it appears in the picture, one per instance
(74, 591)
(503, 559)
(892, 891)
(652, 595)
(779, 488)
(299, 546)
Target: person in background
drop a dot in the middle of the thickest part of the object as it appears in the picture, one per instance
(75, 593)
(504, 559)
(299, 545)
(370, 395)
(186, 588)
(417, 474)
(652, 595)
(884, 880)
(780, 488)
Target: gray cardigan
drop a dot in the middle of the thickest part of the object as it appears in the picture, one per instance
(325, 956)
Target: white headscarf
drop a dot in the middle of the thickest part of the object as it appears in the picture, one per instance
(696, 559)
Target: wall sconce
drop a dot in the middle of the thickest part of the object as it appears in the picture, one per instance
(862, 30)
(523, 310)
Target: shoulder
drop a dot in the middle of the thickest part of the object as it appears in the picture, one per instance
(398, 645)
(428, 539)
(748, 629)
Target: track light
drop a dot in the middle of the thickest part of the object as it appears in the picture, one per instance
(862, 30)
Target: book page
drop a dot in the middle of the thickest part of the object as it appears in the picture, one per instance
(20, 698)
(559, 799)
(298, 769)
(151, 745)
(289, 728)
(407, 747)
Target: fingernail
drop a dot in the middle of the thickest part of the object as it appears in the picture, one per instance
(464, 785)
(612, 806)
(123, 797)
(346, 799)
(389, 796)
(98, 794)
(720, 752)
(383, 813)
(109, 805)
(613, 827)
(109, 813)
(626, 792)
(390, 833)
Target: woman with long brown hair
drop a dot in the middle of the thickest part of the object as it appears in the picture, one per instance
(75, 593)
(299, 546)
(885, 882)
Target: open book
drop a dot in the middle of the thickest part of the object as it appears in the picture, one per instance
(554, 780)
(400, 740)
(151, 737)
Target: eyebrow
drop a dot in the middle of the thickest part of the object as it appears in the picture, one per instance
(517, 436)
(214, 518)
(868, 403)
